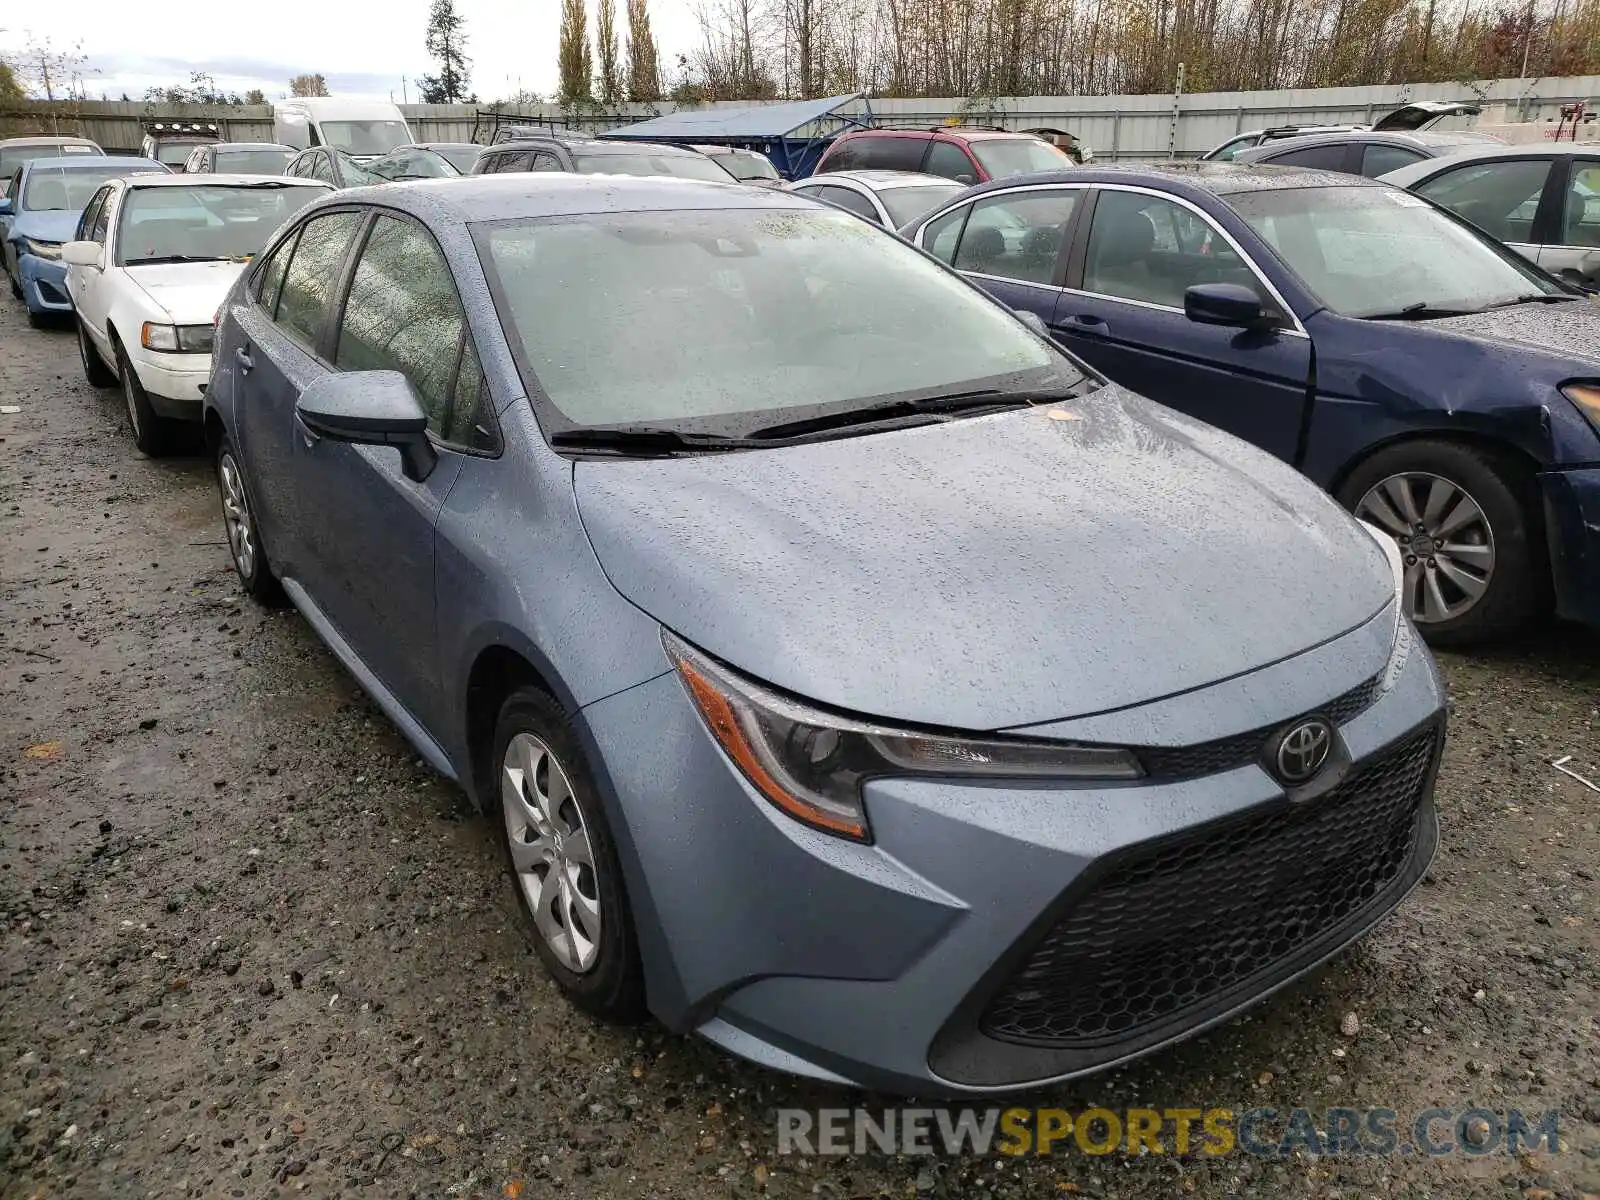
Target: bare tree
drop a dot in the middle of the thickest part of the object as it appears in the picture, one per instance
(308, 85)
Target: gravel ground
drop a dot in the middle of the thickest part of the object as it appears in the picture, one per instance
(253, 947)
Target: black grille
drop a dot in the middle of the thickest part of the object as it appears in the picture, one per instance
(1175, 926)
(1241, 749)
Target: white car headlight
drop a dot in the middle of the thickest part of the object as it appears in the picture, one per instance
(177, 339)
(1391, 551)
(50, 250)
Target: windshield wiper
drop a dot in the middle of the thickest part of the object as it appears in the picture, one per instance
(179, 258)
(1420, 311)
(1531, 298)
(932, 407)
(644, 439)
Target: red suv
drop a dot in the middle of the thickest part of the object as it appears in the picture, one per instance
(965, 155)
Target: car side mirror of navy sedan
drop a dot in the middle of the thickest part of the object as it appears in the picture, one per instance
(1032, 320)
(83, 254)
(1226, 304)
(370, 408)
(5, 206)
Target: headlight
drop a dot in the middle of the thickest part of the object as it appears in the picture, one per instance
(812, 764)
(50, 250)
(1587, 397)
(177, 339)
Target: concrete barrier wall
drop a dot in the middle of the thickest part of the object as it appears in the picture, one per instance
(1147, 126)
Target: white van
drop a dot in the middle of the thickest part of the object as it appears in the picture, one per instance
(363, 129)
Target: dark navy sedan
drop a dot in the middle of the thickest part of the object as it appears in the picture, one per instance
(1442, 388)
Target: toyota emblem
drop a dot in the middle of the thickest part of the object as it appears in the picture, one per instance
(1302, 750)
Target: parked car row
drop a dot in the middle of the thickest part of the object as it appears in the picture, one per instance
(728, 549)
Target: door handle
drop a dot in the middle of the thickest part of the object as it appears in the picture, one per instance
(1088, 319)
(242, 357)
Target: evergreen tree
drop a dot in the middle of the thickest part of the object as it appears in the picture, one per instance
(446, 43)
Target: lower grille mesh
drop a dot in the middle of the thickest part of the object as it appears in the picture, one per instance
(1176, 926)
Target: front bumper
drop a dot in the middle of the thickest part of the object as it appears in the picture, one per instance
(175, 383)
(44, 284)
(1572, 524)
(890, 966)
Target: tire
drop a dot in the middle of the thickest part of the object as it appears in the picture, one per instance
(94, 367)
(245, 546)
(534, 748)
(1470, 575)
(151, 433)
(16, 288)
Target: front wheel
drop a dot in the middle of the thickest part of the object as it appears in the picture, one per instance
(563, 859)
(1460, 517)
(151, 433)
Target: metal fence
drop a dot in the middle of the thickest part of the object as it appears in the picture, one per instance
(1130, 127)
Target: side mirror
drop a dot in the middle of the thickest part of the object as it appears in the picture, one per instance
(84, 254)
(1225, 304)
(370, 408)
(967, 178)
(5, 206)
(1033, 321)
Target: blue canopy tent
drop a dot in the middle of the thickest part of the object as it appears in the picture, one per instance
(792, 135)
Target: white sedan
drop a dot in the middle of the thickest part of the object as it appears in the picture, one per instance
(153, 259)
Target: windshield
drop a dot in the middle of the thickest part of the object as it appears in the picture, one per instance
(1017, 156)
(175, 154)
(672, 317)
(462, 158)
(747, 165)
(206, 221)
(253, 162)
(906, 204)
(1227, 151)
(365, 137)
(68, 188)
(681, 166)
(13, 157)
(1365, 251)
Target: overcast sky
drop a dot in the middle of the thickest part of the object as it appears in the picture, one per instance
(363, 50)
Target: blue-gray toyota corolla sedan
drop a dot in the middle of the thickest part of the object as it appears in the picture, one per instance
(855, 678)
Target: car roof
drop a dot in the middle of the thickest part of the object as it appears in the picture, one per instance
(1472, 152)
(598, 146)
(440, 146)
(252, 146)
(883, 181)
(1192, 178)
(46, 140)
(1424, 140)
(221, 179)
(91, 162)
(499, 197)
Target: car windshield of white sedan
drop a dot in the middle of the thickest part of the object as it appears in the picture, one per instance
(65, 188)
(206, 222)
(1018, 156)
(252, 162)
(1382, 252)
(659, 317)
(365, 137)
(679, 166)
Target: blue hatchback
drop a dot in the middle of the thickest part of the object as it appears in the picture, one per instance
(40, 212)
(919, 712)
(1439, 386)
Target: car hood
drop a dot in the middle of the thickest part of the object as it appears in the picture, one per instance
(190, 292)
(1571, 330)
(991, 571)
(46, 225)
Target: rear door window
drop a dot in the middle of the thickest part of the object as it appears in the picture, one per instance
(891, 153)
(1018, 236)
(1500, 197)
(545, 162)
(1330, 157)
(312, 273)
(1377, 159)
(850, 201)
